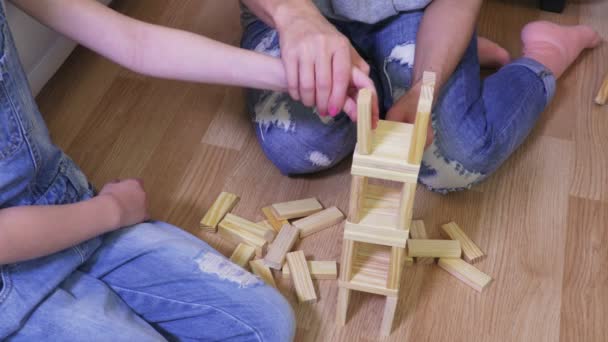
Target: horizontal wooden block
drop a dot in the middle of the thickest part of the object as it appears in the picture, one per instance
(223, 204)
(396, 176)
(319, 270)
(418, 231)
(281, 246)
(363, 287)
(467, 273)
(237, 235)
(273, 220)
(242, 254)
(300, 275)
(375, 235)
(434, 248)
(296, 209)
(232, 220)
(319, 221)
(470, 251)
(261, 270)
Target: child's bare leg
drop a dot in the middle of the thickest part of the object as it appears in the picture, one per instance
(491, 55)
(557, 46)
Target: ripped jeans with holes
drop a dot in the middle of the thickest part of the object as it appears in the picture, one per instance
(148, 282)
(477, 123)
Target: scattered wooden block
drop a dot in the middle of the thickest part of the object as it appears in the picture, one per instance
(300, 275)
(237, 235)
(223, 204)
(319, 270)
(242, 254)
(418, 231)
(265, 223)
(468, 274)
(602, 94)
(470, 251)
(434, 248)
(232, 220)
(281, 246)
(318, 221)
(262, 271)
(296, 209)
(273, 220)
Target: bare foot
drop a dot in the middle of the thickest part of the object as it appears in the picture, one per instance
(491, 55)
(557, 46)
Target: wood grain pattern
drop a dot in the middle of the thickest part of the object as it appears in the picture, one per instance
(434, 248)
(261, 270)
(423, 114)
(418, 231)
(318, 221)
(364, 122)
(281, 246)
(301, 277)
(467, 273)
(222, 205)
(242, 254)
(602, 93)
(540, 217)
(274, 222)
(470, 251)
(296, 209)
(234, 221)
(319, 270)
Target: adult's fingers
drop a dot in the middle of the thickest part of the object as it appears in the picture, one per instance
(358, 61)
(360, 80)
(323, 80)
(341, 79)
(290, 63)
(306, 69)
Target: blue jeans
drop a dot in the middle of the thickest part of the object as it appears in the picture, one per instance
(477, 124)
(148, 282)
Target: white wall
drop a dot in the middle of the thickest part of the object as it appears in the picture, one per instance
(42, 51)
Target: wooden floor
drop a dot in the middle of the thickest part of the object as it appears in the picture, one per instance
(542, 219)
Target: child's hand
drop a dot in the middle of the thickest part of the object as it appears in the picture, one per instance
(404, 110)
(130, 199)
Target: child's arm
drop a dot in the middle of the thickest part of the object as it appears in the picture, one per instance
(155, 50)
(33, 231)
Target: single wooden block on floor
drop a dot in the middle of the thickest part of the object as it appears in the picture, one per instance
(234, 221)
(237, 235)
(418, 231)
(296, 209)
(467, 273)
(318, 221)
(273, 220)
(281, 246)
(224, 203)
(319, 270)
(602, 94)
(470, 251)
(434, 248)
(300, 275)
(261, 270)
(242, 254)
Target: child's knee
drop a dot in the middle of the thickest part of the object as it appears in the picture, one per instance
(295, 138)
(274, 317)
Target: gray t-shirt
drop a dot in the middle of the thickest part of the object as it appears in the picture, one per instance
(365, 11)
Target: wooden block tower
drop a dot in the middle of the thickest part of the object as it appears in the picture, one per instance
(377, 229)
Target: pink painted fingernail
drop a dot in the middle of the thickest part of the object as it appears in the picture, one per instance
(333, 111)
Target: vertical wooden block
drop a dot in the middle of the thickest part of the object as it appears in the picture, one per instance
(467, 273)
(242, 254)
(342, 306)
(319, 270)
(602, 94)
(261, 270)
(281, 246)
(406, 205)
(348, 247)
(240, 223)
(318, 221)
(355, 205)
(470, 251)
(364, 121)
(423, 114)
(273, 220)
(300, 275)
(390, 307)
(395, 267)
(296, 209)
(418, 231)
(223, 204)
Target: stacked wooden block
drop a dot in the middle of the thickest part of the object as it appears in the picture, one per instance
(449, 253)
(376, 233)
(273, 239)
